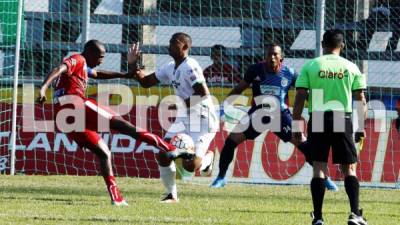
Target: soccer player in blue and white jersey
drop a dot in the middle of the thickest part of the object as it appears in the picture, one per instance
(269, 78)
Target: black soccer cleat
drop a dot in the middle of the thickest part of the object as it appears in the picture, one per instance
(316, 221)
(357, 219)
(168, 198)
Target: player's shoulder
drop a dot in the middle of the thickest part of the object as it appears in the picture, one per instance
(289, 71)
(191, 62)
(257, 67)
(352, 67)
(311, 64)
(75, 59)
(314, 61)
(167, 66)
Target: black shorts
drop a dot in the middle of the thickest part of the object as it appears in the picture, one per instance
(285, 132)
(341, 142)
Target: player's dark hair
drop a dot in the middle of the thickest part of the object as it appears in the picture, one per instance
(183, 37)
(218, 49)
(272, 45)
(333, 38)
(93, 46)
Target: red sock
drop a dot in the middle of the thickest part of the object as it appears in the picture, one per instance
(113, 189)
(155, 141)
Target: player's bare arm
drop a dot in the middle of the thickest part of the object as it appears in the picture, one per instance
(362, 111)
(144, 80)
(201, 90)
(54, 74)
(103, 75)
(133, 56)
(138, 74)
(301, 96)
(239, 88)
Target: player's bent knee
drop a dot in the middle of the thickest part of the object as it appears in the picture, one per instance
(102, 151)
(163, 159)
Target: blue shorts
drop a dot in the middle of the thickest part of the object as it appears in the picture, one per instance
(285, 133)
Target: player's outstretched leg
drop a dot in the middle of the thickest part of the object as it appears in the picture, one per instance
(226, 157)
(167, 175)
(104, 154)
(119, 124)
(304, 148)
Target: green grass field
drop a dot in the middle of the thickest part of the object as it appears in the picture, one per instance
(83, 200)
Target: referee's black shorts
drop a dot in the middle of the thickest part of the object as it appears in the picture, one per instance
(341, 142)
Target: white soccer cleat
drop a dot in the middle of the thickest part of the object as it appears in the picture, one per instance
(208, 170)
(169, 199)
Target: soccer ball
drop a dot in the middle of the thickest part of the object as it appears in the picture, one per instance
(184, 142)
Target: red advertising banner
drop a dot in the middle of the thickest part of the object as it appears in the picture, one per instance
(265, 158)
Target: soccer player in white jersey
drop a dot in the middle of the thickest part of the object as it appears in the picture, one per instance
(201, 121)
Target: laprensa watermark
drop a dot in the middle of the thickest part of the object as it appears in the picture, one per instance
(72, 118)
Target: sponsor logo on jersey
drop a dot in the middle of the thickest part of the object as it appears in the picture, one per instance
(73, 61)
(332, 75)
(270, 90)
(176, 83)
(284, 82)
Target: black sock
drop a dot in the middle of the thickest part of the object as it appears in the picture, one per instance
(317, 193)
(305, 149)
(226, 156)
(353, 189)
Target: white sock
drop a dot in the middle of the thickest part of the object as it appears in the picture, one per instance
(207, 160)
(167, 175)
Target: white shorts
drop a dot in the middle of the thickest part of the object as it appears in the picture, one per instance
(201, 133)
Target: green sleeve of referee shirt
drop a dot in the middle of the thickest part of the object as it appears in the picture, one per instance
(359, 80)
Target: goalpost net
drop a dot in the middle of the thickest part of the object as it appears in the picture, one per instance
(53, 30)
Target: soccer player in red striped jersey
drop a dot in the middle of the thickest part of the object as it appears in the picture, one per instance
(72, 77)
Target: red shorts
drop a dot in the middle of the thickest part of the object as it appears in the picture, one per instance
(89, 138)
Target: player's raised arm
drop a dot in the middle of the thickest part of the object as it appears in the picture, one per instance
(103, 75)
(136, 72)
(133, 56)
(144, 80)
(54, 74)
